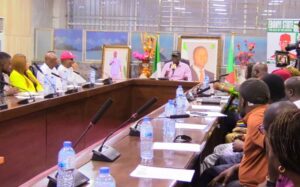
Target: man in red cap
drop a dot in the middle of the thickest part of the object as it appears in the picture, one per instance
(66, 71)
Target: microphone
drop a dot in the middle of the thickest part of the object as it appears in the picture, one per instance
(218, 80)
(200, 93)
(93, 67)
(143, 108)
(51, 95)
(135, 132)
(80, 178)
(74, 90)
(95, 119)
(109, 154)
(22, 101)
(224, 75)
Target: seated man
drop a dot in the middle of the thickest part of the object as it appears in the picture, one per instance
(48, 68)
(177, 70)
(292, 90)
(253, 167)
(65, 70)
(5, 69)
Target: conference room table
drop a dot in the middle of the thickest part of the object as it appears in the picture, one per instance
(32, 134)
(129, 147)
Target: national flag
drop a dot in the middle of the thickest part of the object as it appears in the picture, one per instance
(231, 78)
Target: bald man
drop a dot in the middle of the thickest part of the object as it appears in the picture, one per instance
(199, 73)
(292, 90)
(48, 68)
(259, 70)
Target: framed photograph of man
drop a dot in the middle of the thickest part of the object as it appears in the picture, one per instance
(116, 61)
(204, 55)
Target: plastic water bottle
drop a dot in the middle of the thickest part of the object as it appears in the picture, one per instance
(179, 90)
(64, 80)
(205, 82)
(169, 130)
(180, 105)
(66, 165)
(46, 85)
(92, 76)
(53, 84)
(104, 179)
(146, 137)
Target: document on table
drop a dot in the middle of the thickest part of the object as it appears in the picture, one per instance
(176, 146)
(163, 173)
(205, 114)
(207, 107)
(190, 126)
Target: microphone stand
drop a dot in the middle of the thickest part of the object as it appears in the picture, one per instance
(80, 178)
(109, 154)
(51, 95)
(70, 91)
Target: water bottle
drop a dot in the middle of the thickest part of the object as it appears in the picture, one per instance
(205, 82)
(92, 76)
(104, 179)
(66, 165)
(179, 90)
(64, 80)
(180, 105)
(52, 84)
(169, 130)
(46, 85)
(146, 137)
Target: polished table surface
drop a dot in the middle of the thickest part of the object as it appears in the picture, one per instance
(129, 147)
(32, 134)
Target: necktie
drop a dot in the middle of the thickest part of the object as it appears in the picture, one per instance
(201, 78)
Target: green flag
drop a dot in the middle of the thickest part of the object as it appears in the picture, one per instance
(157, 55)
(230, 62)
(230, 58)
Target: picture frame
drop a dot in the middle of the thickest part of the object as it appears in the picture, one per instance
(121, 64)
(207, 51)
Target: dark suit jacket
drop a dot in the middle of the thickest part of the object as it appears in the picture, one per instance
(195, 77)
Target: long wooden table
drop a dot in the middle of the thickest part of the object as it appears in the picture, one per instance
(31, 135)
(129, 147)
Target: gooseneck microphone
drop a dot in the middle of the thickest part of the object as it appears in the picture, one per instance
(74, 90)
(51, 95)
(109, 154)
(79, 178)
(22, 101)
(95, 119)
(135, 132)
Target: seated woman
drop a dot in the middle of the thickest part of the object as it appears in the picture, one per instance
(283, 148)
(21, 77)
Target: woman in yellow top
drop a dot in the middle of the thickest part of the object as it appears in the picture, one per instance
(22, 77)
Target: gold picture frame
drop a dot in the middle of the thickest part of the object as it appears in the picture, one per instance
(121, 60)
(206, 50)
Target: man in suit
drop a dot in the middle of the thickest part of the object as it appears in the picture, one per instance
(199, 73)
(5, 69)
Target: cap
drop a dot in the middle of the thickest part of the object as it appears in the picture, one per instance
(285, 37)
(261, 95)
(176, 54)
(283, 73)
(67, 144)
(104, 170)
(65, 55)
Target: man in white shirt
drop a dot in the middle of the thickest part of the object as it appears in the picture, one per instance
(5, 69)
(65, 70)
(48, 68)
(292, 90)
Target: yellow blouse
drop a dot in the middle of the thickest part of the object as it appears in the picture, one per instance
(22, 81)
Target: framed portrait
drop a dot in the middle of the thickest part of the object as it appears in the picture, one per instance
(204, 55)
(116, 61)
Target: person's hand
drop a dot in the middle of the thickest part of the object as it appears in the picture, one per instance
(239, 137)
(224, 177)
(240, 130)
(238, 146)
(217, 86)
(11, 91)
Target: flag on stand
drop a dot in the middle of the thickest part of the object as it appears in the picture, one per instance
(232, 77)
(156, 64)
